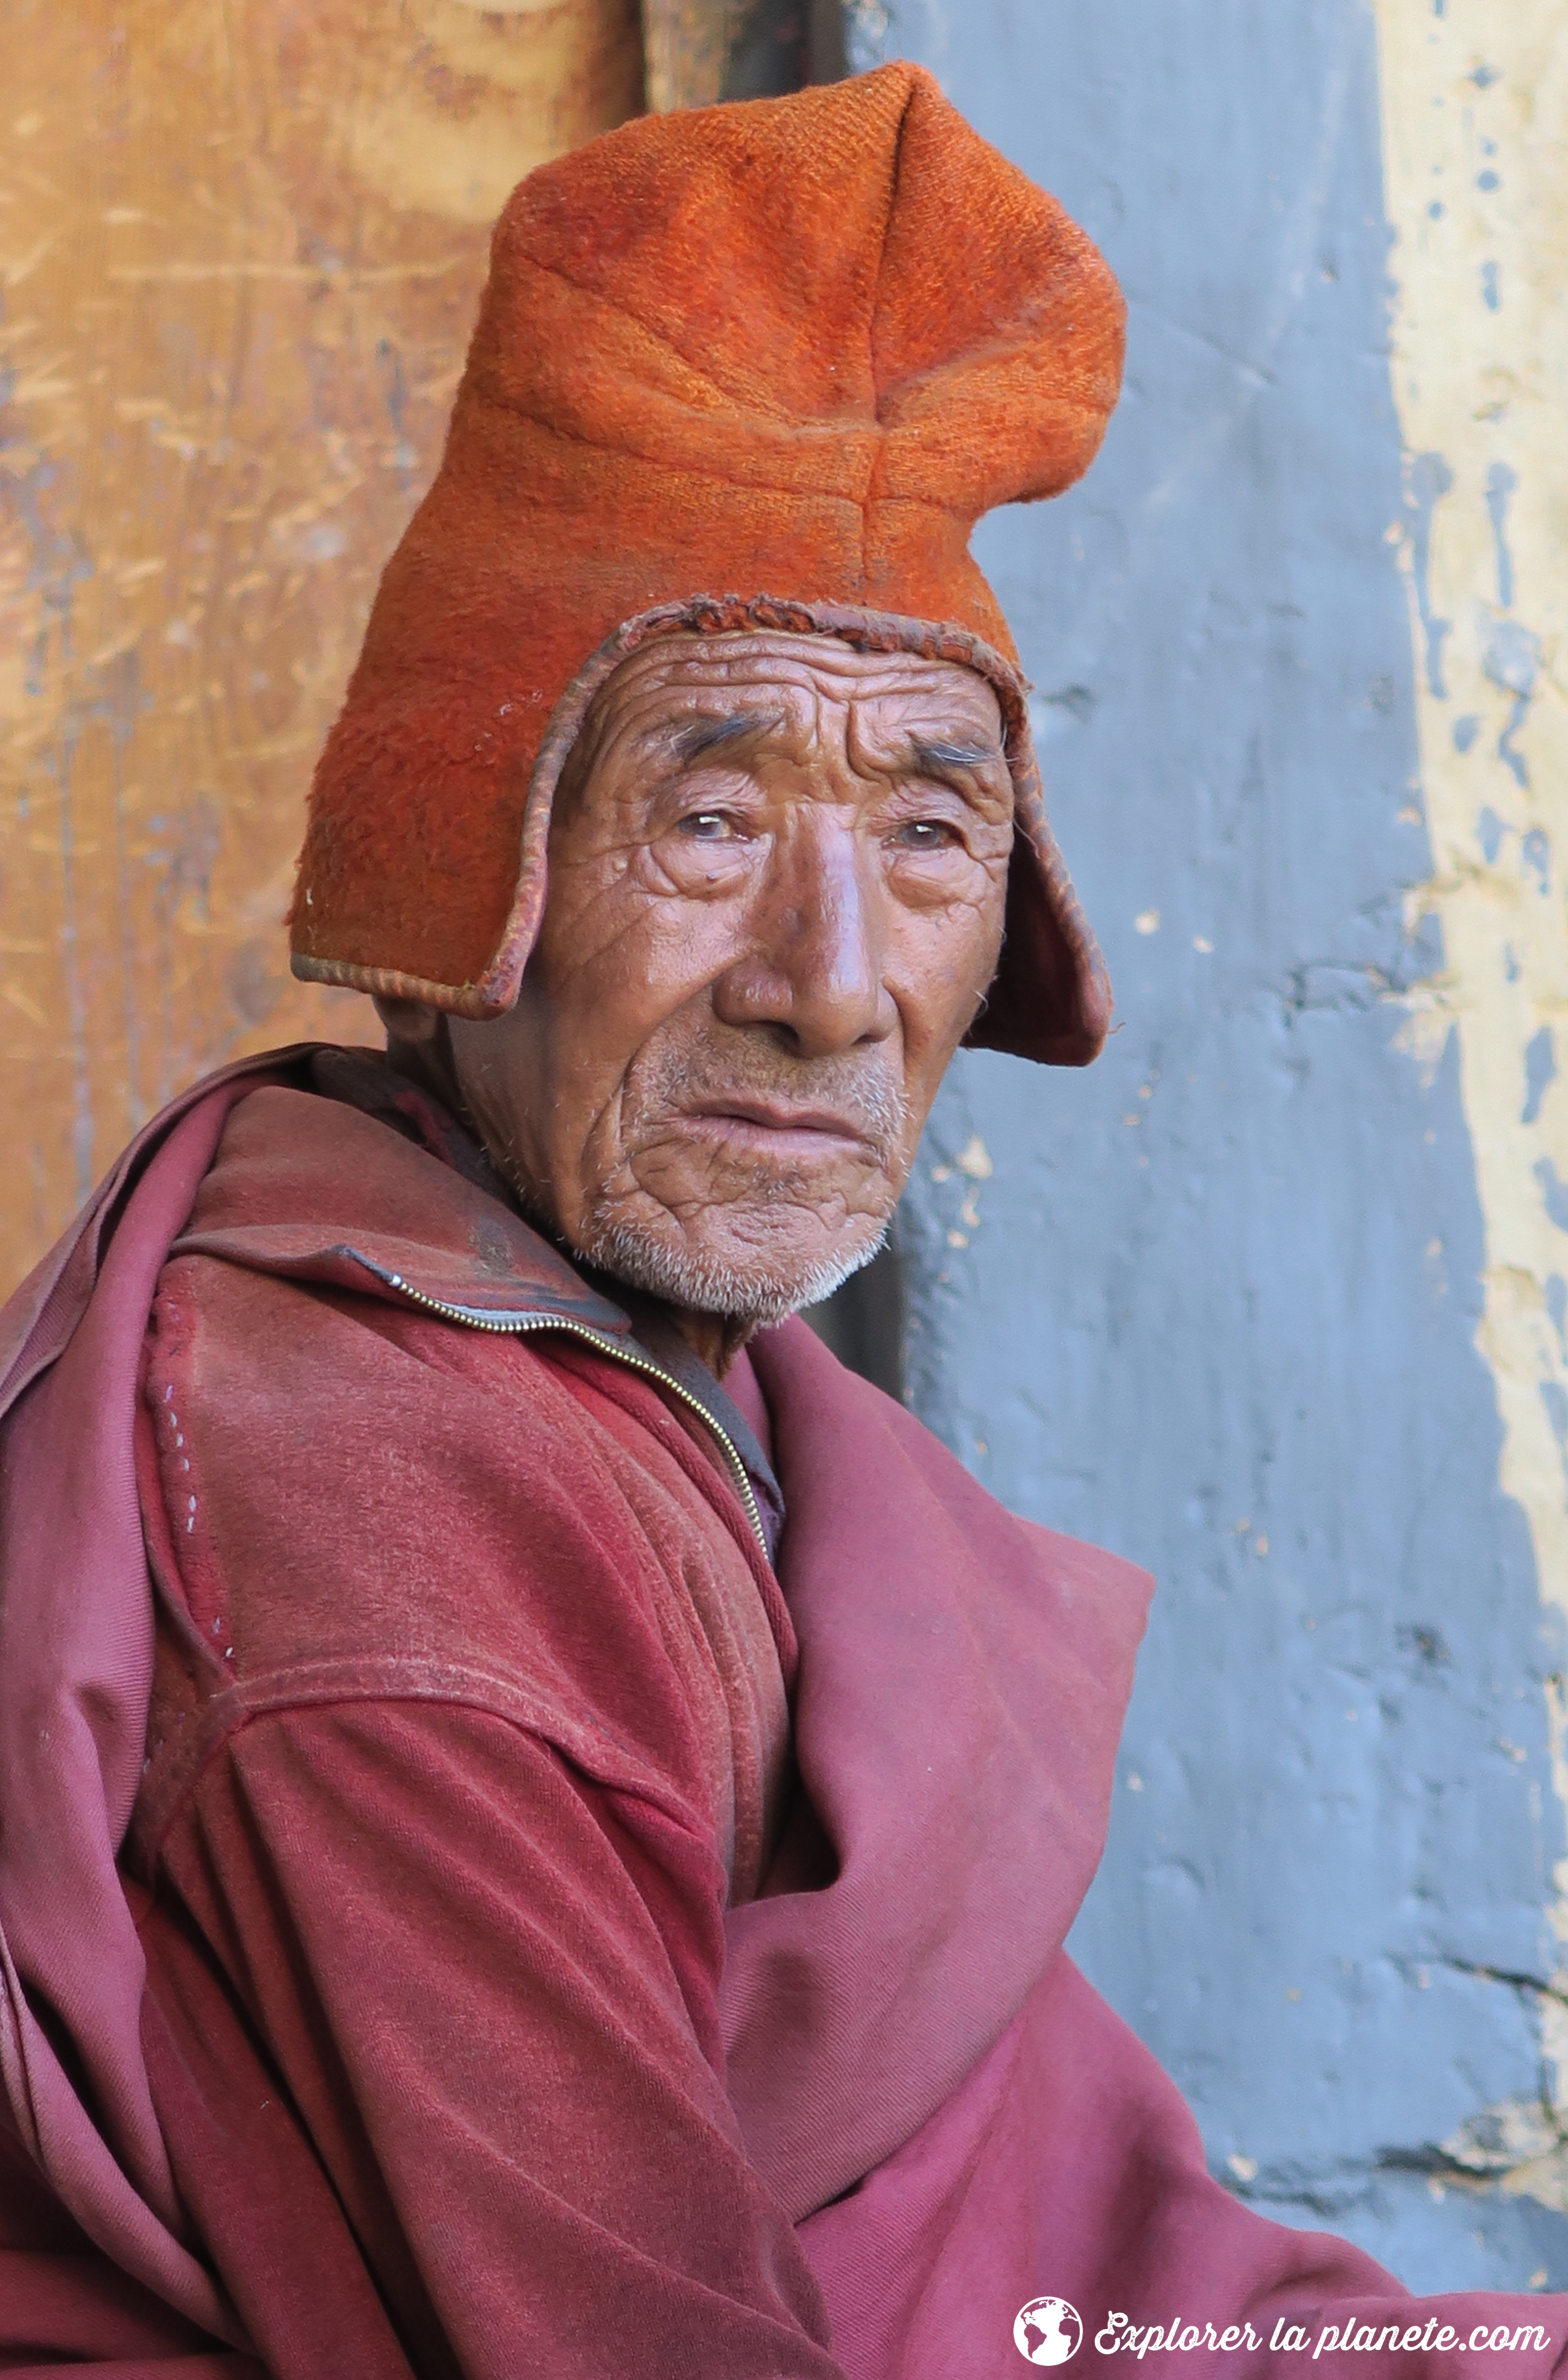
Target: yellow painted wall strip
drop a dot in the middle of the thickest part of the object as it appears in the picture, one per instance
(1474, 117)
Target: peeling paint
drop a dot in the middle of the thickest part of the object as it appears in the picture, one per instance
(1480, 362)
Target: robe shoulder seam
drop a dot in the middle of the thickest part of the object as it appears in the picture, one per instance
(304, 1686)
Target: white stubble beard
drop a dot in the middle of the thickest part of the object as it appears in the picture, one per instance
(709, 1285)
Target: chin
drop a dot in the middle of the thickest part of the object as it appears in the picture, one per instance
(729, 1277)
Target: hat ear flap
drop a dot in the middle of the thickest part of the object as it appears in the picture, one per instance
(1050, 999)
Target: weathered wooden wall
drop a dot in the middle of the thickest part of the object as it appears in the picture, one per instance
(240, 248)
(700, 51)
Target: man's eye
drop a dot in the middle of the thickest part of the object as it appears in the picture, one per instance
(707, 826)
(925, 834)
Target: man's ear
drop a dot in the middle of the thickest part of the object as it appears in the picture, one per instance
(409, 1023)
(419, 1043)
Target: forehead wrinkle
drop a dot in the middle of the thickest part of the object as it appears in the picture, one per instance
(933, 754)
(883, 744)
(711, 731)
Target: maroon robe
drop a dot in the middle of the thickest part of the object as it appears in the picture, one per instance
(422, 1954)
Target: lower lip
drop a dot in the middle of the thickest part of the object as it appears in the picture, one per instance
(811, 1142)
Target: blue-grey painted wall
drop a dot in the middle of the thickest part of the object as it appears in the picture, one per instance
(1218, 1307)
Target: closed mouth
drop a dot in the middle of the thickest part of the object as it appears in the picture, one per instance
(760, 1124)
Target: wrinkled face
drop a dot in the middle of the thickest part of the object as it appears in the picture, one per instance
(777, 872)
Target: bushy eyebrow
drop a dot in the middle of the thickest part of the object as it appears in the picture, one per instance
(710, 734)
(931, 758)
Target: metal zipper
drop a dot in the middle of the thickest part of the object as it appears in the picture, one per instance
(518, 1326)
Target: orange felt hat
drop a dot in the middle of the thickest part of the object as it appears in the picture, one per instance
(759, 365)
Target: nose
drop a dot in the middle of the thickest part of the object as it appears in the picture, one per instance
(814, 964)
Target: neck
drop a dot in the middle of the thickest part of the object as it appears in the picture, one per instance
(429, 1062)
(715, 1339)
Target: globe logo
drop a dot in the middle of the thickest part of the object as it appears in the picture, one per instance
(1048, 2331)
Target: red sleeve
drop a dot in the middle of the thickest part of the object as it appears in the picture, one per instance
(483, 1987)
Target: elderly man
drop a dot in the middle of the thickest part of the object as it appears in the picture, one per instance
(538, 1815)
